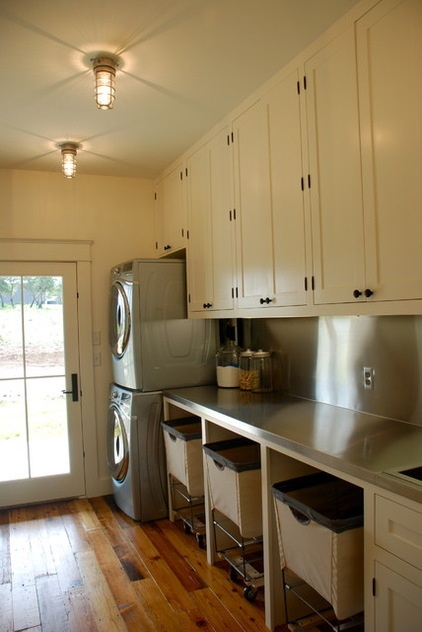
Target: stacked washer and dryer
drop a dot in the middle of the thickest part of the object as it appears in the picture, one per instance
(153, 347)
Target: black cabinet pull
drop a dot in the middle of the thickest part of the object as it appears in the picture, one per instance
(265, 300)
(206, 305)
(368, 292)
(357, 293)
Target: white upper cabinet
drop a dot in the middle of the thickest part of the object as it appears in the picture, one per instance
(170, 212)
(289, 221)
(280, 191)
(254, 229)
(211, 244)
(335, 172)
(320, 209)
(389, 45)
(269, 199)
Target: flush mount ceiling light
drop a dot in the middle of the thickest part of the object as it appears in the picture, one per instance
(105, 73)
(69, 151)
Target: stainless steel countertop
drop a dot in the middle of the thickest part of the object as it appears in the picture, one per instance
(358, 444)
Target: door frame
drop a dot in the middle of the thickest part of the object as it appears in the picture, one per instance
(79, 253)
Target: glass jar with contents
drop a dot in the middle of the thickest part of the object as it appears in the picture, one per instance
(227, 364)
(262, 365)
(248, 377)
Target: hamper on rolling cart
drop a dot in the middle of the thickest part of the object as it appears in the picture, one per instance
(320, 530)
(233, 469)
(185, 471)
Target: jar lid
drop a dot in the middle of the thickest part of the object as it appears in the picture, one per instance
(262, 354)
(248, 353)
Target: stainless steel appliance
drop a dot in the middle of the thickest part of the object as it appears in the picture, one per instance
(153, 344)
(153, 347)
(135, 453)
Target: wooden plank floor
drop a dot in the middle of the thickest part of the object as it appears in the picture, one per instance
(84, 566)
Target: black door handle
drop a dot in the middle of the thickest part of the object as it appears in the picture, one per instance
(74, 391)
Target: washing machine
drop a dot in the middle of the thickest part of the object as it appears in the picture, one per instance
(135, 453)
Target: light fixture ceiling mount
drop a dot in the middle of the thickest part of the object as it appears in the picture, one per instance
(69, 151)
(104, 67)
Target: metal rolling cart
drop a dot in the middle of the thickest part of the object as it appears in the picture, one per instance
(183, 446)
(234, 481)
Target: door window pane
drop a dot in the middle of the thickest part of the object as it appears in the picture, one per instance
(47, 427)
(43, 326)
(13, 437)
(33, 410)
(11, 342)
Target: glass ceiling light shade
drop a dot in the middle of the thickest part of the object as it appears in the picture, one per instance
(69, 159)
(105, 73)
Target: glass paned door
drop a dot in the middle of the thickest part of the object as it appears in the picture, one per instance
(41, 450)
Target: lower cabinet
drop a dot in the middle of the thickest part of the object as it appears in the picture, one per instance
(397, 566)
(392, 533)
(398, 601)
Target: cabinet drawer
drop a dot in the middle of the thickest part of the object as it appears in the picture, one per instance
(398, 530)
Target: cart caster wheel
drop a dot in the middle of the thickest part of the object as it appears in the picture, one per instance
(249, 593)
(234, 575)
(187, 529)
(200, 540)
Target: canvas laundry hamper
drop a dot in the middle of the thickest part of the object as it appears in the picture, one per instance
(320, 531)
(183, 446)
(234, 479)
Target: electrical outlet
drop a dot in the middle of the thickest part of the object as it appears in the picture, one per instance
(97, 358)
(368, 378)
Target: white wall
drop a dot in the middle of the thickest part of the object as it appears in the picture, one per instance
(115, 213)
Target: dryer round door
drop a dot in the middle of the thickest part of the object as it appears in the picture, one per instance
(119, 319)
(117, 445)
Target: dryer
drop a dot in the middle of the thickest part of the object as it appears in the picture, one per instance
(153, 344)
(135, 453)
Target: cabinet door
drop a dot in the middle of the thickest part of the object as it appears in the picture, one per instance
(170, 212)
(211, 230)
(223, 236)
(398, 602)
(287, 191)
(389, 40)
(199, 251)
(335, 171)
(254, 240)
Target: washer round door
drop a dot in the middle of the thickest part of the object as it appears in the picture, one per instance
(117, 445)
(119, 319)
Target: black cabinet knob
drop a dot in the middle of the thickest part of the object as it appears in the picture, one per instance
(368, 292)
(265, 300)
(206, 305)
(357, 293)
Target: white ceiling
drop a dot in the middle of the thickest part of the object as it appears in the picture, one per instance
(184, 65)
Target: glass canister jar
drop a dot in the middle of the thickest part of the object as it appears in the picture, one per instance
(262, 365)
(248, 376)
(227, 365)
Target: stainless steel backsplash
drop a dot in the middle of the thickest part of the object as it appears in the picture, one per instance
(323, 360)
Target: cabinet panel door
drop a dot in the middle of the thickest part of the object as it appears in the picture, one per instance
(253, 207)
(389, 40)
(398, 530)
(171, 212)
(222, 222)
(398, 602)
(199, 251)
(211, 228)
(287, 195)
(335, 171)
